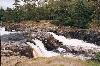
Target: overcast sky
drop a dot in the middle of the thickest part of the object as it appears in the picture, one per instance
(7, 3)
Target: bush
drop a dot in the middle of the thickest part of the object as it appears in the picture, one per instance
(81, 14)
(76, 15)
(98, 56)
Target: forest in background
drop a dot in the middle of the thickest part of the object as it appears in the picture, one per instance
(74, 13)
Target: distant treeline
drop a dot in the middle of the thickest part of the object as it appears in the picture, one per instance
(77, 13)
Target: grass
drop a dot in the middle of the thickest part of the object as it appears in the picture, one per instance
(54, 61)
(93, 63)
(58, 61)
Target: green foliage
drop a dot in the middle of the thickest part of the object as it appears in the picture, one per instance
(81, 14)
(2, 18)
(98, 56)
(76, 13)
(93, 63)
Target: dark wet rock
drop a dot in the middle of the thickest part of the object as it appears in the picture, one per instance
(52, 45)
(82, 34)
(85, 35)
(48, 40)
(90, 37)
(13, 37)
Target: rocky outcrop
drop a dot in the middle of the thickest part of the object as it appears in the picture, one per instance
(16, 49)
(48, 40)
(13, 37)
(87, 35)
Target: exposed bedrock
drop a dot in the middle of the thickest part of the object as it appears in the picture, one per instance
(83, 34)
(14, 44)
(13, 37)
(16, 49)
(48, 40)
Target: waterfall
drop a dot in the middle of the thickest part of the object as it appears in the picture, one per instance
(68, 46)
(39, 50)
(36, 51)
(75, 42)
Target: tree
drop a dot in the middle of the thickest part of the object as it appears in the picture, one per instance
(81, 14)
(30, 11)
(96, 13)
(95, 7)
(2, 12)
(77, 13)
(8, 14)
(16, 3)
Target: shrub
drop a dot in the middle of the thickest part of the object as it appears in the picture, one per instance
(98, 56)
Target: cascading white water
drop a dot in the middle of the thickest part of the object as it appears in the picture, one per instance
(3, 32)
(36, 51)
(75, 42)
(39, 50)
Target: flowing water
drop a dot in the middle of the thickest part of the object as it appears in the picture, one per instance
(40, 51)
(3, 32)
(74, 42)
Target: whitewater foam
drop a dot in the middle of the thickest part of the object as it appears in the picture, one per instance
(3, 32)
(40, 49)
(75, 42)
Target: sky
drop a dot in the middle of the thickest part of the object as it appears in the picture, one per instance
(7, 3)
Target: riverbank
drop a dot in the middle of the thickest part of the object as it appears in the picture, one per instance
(37, 41)
(52, 61)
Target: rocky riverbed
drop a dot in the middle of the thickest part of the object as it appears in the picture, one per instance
(15, 44)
